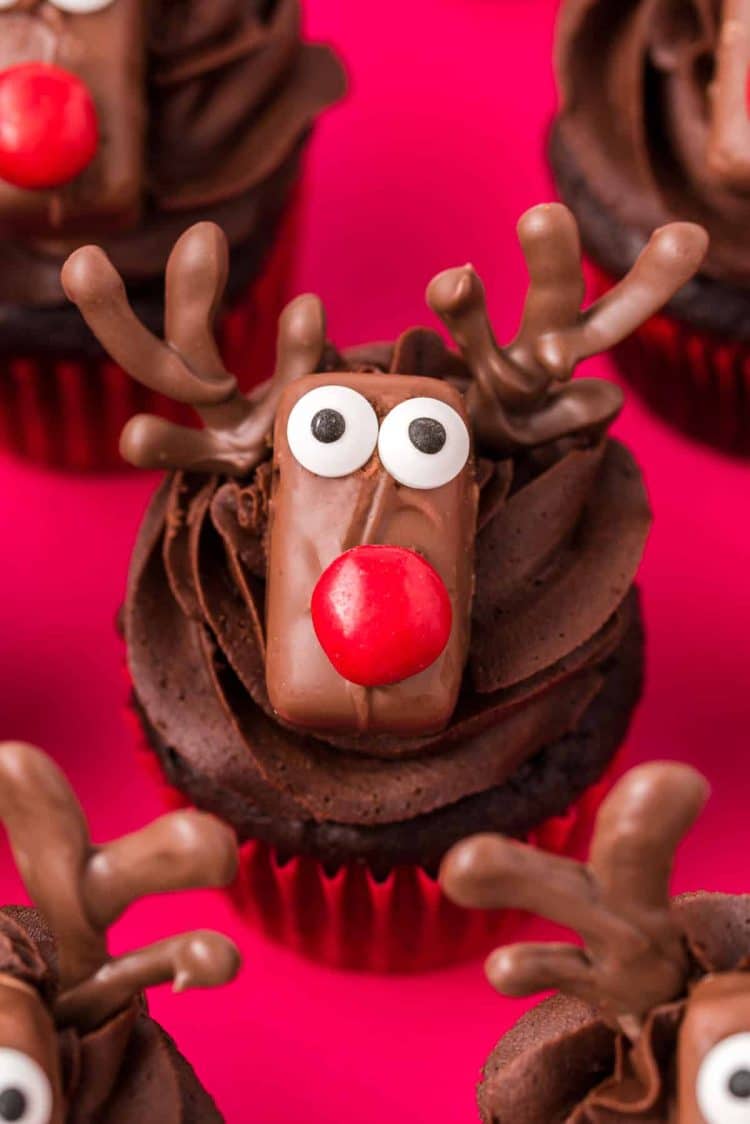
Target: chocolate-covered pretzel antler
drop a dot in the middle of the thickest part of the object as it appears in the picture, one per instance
(520, 394)
(190, 960)
(634, 955)
(186, 365)
(81, 889)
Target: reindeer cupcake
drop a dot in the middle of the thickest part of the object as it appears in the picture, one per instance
(652, 127)
(652, 1022)
(125, 121)
(76, 1042)
(387, 599)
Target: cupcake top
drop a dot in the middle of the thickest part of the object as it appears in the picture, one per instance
(394, 573)
(654, 114)
(146, 117)
(653, 1018)
(76, 1042)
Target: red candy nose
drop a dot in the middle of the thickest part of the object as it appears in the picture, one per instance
(48, 126)
(381, 614)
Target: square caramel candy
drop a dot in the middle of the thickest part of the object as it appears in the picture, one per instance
(332, 494)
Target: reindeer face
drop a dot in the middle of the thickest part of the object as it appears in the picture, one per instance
(714, 1052)
(29, 1069)
(371, 553)
(374, 498)
(72, 115)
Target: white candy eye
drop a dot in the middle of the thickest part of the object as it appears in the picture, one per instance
(722, 1086)
(332, 430)
(81, 7)
(423, 443)
(25, 1090)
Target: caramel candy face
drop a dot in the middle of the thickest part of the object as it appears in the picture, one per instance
(101, 43)
(714, 1052)
(332, 493)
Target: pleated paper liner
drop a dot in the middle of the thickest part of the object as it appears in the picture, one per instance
(405, 923)
(69, 412)
(350, 920)
(697, 382)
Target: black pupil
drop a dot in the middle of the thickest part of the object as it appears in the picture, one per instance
(12, 1104)
(427, 435)
(328, 426)
(739, 1083)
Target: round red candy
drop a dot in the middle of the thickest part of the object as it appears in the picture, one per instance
(381, 614)
(48, 126)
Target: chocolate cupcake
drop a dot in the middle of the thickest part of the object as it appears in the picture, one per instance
(387, 599)
(653, 1020)
(125, 122)
(652, 127)
(76, 1041)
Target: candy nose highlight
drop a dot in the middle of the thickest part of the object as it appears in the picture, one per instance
(381, 614)
(49, 130)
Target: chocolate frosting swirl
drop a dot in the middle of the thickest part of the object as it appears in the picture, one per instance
(654, 121)
(563, 1063)
(125, 1071)
(231, 95)
(561, 533)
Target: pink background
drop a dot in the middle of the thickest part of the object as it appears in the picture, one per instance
(429, 164)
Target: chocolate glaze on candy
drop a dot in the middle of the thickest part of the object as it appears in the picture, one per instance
(536, 534)
(88, 1050)
(371, 508)
(644, 1026)
(203, 110)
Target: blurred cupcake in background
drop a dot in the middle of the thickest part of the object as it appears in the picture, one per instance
(124, 122)
(651, 1018)
(653, 126)
(388, 599)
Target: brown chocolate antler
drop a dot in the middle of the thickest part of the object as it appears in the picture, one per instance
(81, 888)
(191, 960)
(728, 152)
(520, 395)
(186, 365)
(634, 955)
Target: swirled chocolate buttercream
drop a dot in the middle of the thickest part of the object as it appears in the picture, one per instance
(653, 124)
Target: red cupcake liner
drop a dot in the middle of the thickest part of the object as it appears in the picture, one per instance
(697, 382)
(404, 923)
(350, 920)
(69, 413)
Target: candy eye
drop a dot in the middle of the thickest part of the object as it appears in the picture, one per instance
(722, 1086)
(332, 431)
(80, 7)
(25, 1089)
(423, 443)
